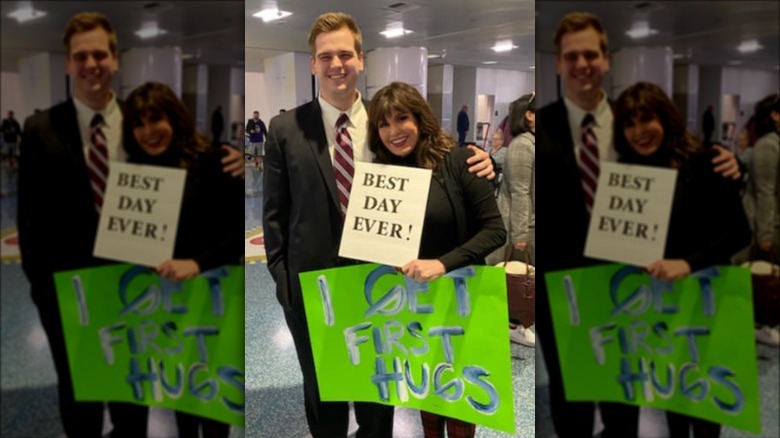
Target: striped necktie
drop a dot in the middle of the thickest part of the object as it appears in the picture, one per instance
(589, 161)
(343, 162)
(97, 161)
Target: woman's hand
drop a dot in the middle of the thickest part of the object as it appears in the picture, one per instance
(521, 245)
(669, 270)
(765, 246)
(423, 270)
(178, 270)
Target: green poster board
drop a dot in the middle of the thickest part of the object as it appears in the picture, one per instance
(441, 347)
(135, 337)
(686, 346)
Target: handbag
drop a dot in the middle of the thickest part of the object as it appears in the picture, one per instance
(520, 289)
(766, 292)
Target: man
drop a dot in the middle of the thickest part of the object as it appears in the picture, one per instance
(255, 128)
(217, 125)
(562, 210)
(708, 125)
(463, 124)
(11, 133)
(303, 208)
(70, 145)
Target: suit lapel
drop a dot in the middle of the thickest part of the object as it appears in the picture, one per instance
(66, 122)
(314, 131)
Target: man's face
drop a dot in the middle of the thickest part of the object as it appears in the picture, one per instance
(255, 115)
(91, 64)
(336, 64)
(581, 62)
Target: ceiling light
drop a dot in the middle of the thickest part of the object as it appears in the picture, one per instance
(503, 46)
(271, 14)
(749, 46)
(641, 29)
(678, 56)
(434, 56)
(533, 67)
(490, 62)
(735, 62)
(394, 31)
(25, 13)
(149, 29)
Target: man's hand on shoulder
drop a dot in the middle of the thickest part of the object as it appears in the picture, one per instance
(480, 163)
(726, 163)
(233, 162)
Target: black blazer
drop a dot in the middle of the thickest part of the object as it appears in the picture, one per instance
(301, 218)
(561, 215)
(56, 214)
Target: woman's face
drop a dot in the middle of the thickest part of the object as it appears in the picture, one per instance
(399, 133)
(742, 140)
(153, 133)
(497, 139)
(644, 133)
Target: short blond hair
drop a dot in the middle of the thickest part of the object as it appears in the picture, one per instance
(86, 21)
(332, 21)
(577, 21)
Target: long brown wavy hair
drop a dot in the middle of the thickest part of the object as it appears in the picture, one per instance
(154, 98)
(432, 143)
(644, 99)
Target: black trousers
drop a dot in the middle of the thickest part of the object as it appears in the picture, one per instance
(331, 419)
(680, 426)
(575, 419)
(84, 419)
(189, 425)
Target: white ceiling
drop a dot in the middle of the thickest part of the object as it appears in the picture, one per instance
(211, 31)
(706, 33)
(462, 30)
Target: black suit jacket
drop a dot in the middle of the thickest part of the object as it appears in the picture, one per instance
(561, 215)
(56, 213)
(301, 218)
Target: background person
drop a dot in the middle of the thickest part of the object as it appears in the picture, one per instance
(255, 128)
(762, 195)
(463, 124)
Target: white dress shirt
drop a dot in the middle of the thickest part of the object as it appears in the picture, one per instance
(357, 128)
(112, 127)
(602, 128)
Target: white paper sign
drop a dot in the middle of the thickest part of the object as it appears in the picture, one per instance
(140, 213)
(385, 215)
(631, 211)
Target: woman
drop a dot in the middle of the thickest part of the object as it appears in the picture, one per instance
(707, 223)
(763, 194)
(402, 130)
(158, 131)
(516, 194)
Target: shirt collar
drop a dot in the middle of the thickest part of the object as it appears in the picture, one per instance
(577, 113)
(108, 112)
(330, 114)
